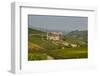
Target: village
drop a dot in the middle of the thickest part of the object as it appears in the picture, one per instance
(48, 45)
(56, 37)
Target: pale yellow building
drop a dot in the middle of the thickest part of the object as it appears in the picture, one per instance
(54, 36)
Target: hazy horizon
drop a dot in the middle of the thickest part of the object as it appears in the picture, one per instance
(58, 23)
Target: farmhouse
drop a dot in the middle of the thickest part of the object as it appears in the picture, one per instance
(73, 45)
(54, 36)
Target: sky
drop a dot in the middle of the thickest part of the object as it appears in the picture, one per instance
(59, 23)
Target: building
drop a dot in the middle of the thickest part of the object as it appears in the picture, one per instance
(74, 45)
(54, 36)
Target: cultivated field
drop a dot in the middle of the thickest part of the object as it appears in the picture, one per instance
(39, 48)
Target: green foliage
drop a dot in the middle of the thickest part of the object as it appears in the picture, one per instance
(48, 45)
(39, 48)
(79, 35)
(31, 31)
(69, 53)
(37, 56)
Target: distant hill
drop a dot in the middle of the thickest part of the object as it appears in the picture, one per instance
(44, 29)
(79, 35)
(32, 31)
(74, 37)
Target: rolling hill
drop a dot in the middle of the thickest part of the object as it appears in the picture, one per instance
(79, 35)
(39, 48)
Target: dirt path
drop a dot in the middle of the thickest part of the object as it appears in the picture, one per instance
(50, 58)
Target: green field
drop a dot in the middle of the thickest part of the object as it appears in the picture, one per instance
(39, 48)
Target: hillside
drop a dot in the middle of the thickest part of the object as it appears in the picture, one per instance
(79, 35)
(34, 31)
(39, 48)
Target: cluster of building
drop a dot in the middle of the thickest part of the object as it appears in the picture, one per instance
(56, 36)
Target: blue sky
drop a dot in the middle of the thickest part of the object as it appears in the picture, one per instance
(59, 23)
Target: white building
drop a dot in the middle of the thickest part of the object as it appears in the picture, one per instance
(54, 36)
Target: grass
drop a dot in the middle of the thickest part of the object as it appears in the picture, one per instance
(48, 45)
(39, 48)
(69, 53)
(37, 56)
